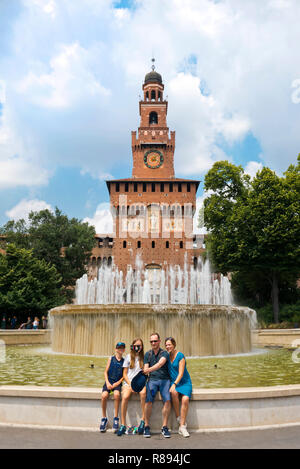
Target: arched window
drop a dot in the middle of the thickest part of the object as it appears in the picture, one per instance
(181, 244)
(167, 244)
(139, 244)
(153, 97)
(124, 244)
(153, 244)
(153, 119)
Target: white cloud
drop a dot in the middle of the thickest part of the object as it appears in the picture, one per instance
(102, 219)
(252, 168)
(199, 224)
(46, 6)
(78, 68)
(197, 136)
(2, 92)
(98, 174)
(24, 207)
(69, 80)
(17, 172)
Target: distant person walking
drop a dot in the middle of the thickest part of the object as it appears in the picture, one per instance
(113, 381)
(181, 384)
(44, 322)
(156, 366)
(13, 323)
(3, 322)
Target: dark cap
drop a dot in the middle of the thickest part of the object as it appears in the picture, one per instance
(120, 344)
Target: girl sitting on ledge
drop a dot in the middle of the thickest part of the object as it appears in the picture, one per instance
(181, 384)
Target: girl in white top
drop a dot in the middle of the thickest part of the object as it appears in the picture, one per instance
(35, 323)
(133, 364)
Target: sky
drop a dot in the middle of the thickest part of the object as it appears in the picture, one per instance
(71, 72)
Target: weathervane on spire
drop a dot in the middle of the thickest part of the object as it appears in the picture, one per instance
(153, 66)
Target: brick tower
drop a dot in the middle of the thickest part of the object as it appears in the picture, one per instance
(153, 210)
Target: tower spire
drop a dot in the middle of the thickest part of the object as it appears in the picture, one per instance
(153, 66)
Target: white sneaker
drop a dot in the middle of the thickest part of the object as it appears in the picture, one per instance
(183, 431)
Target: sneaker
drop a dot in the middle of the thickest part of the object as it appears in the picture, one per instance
(147, 433)
(130, 431)
(121, 430)
(183, 431)
(165, 432)
(116, 424)
(103, 425)
(141, 427)
(178, 420)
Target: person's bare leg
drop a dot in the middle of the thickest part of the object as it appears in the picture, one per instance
(143, 402)
(125, 399)
(175, 402)
(166, 412)
(184, 409)
(104, 403)
(117, 398)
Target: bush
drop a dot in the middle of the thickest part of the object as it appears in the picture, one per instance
(289, 316)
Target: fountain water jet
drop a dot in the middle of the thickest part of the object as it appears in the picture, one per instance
(155, 286)
(192, 305)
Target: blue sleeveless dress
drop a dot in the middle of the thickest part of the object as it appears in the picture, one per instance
(185, 384)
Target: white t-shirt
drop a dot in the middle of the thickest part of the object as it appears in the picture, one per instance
(132, 372)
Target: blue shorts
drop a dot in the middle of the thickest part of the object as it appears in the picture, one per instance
(118, 388)
(161, 385)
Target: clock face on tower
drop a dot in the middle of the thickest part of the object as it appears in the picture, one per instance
(153, 159)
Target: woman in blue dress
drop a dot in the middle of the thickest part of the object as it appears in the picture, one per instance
(181, 384)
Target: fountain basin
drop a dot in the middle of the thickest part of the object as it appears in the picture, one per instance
(199, 330)
(210, 409)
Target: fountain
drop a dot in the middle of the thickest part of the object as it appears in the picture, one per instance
(192, 305)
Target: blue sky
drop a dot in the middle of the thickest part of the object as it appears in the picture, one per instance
(71, 72)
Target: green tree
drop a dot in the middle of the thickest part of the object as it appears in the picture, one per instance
(28, 286)
(65, 243)
(254, 225)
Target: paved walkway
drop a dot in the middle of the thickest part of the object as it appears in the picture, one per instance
(27, 438)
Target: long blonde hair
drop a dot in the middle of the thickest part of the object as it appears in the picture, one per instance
(141, 354)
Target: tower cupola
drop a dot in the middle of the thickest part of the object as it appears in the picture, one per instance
(153, 86)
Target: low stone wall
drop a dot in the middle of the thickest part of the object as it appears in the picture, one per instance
(27, 337)
(276, 337)
(209, 408)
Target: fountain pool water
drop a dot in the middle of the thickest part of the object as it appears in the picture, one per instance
(40, 366)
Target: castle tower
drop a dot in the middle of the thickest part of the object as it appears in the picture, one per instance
(153, 148)
(153, 210)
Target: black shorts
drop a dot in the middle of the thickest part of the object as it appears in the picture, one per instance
(118, 388)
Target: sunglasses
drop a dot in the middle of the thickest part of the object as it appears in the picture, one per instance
(153, 341)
